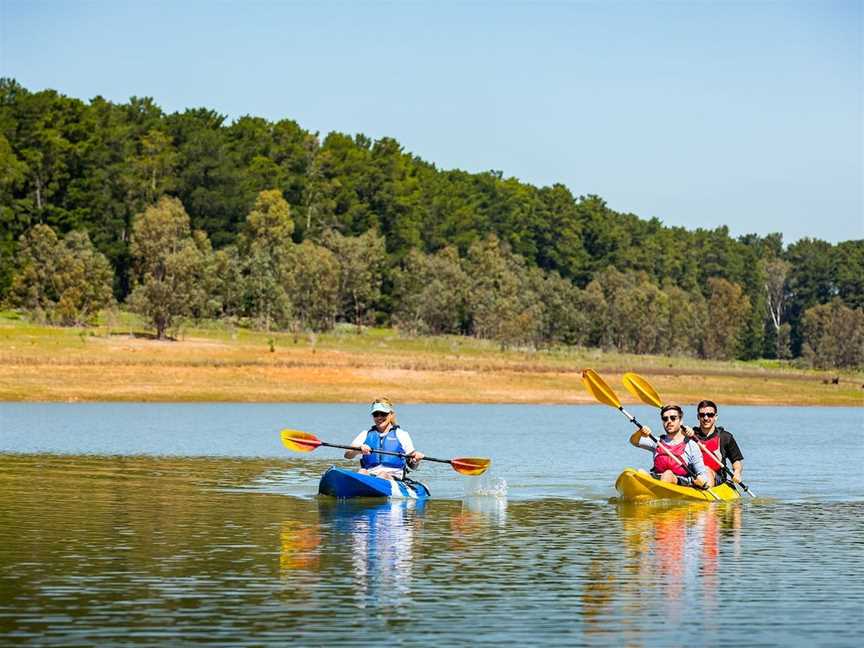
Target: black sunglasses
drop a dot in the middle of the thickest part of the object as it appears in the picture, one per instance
(673, 417)
(707, 414)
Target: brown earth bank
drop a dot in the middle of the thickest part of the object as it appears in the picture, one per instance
(36, 365)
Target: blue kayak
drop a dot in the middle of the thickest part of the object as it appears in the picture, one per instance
(342, 483)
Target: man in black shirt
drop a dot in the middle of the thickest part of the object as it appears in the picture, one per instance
(717, 444)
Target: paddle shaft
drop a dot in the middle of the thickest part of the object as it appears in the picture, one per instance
(385, 452)
(719, 459)
(662, 446)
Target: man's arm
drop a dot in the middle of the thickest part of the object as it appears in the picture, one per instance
(693, 456)
(641, 438)
(733, 453)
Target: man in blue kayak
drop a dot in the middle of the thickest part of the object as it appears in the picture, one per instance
(385, 434)
(676, 458)
(717, 444)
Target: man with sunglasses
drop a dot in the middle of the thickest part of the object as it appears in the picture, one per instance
(385, 434)
(676, 458)
(717, 444)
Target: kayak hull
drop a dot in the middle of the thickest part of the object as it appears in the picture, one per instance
(639, 486)
(341, 483)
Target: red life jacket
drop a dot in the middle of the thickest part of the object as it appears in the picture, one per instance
(663, 462)
(709, 457)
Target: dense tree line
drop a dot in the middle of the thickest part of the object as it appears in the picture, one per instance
(183, 216)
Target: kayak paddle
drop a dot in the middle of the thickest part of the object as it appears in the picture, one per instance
(305, 442)
(603, 393)
(643, 390)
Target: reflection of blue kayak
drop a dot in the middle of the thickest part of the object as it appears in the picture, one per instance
(339, 482)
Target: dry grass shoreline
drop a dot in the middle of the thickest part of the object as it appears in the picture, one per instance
(41, 363)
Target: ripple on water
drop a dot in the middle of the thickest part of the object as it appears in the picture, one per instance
(149, 550)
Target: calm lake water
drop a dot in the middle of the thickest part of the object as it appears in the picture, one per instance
(132, 524)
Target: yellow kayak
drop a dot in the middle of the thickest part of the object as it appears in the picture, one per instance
(639, 485)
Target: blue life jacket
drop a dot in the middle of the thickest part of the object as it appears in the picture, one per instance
(390, 443)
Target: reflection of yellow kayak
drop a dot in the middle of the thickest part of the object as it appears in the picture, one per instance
(639, 485)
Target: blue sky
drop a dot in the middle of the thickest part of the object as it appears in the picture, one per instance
(746, 114)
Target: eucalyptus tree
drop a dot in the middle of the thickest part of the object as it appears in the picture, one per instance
(592, 302)
(66, 280)
(362, 261)
(645, 317)
(169, 263)
(33, 283)
(834, 335)
(604, 295)
(315, 274)
(430, 293)
(500, 304)
(562, 320)
(84, 277)
(688, 315)
(775, 272)
(226, 286)
(636, 312)
(728, 310)
(265, 255)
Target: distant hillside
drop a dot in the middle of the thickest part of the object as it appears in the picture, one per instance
(93, 166)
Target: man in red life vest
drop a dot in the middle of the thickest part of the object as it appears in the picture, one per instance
(676, 458)
(717, 444)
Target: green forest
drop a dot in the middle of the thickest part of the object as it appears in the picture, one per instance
(184, 216)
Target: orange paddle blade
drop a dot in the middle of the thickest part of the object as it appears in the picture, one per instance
(299, 441)
(641, 389)
(599, 389)
(471, 465)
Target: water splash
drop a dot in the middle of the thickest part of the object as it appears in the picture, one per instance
(486, 487)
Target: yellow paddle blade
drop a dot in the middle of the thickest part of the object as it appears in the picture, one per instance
(299, 441)
(641, 389)
(599, 389)
(471, 465)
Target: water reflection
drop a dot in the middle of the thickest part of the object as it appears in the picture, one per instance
(494, 509)
(471, 523)
(215, 551)
(381, 538)
(677, 547)
(375, 544)
(300, 543)
(668, 565)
